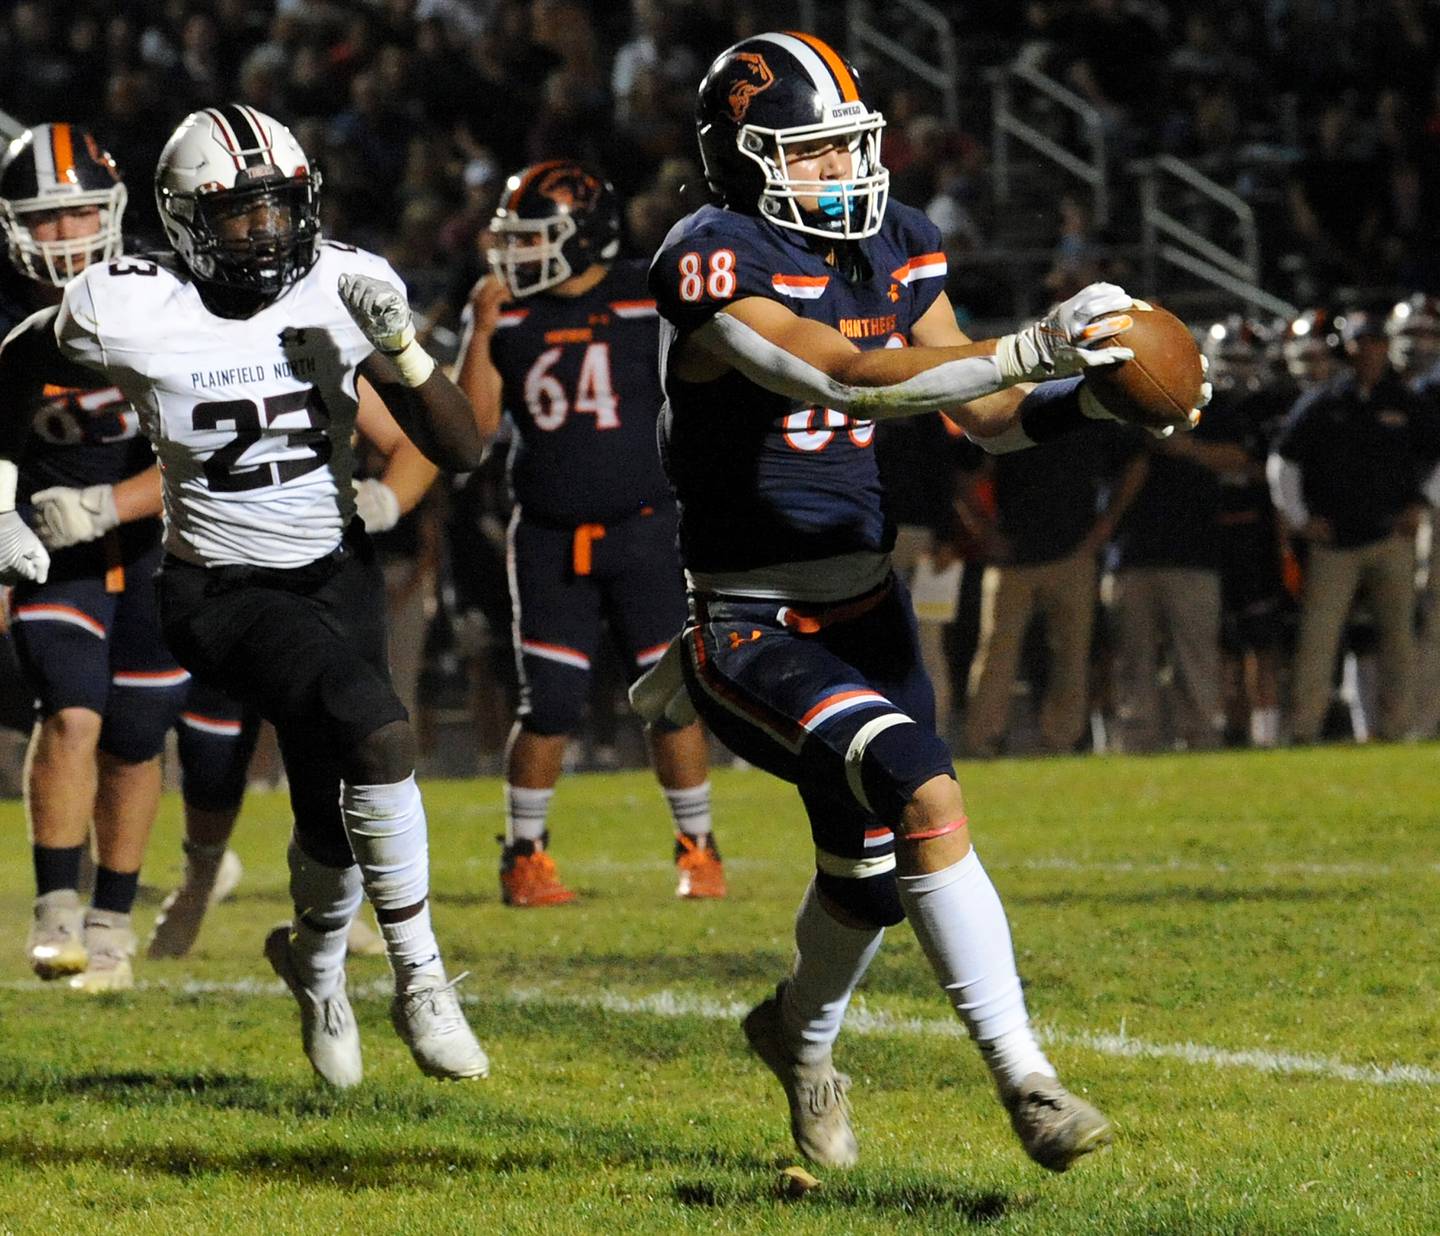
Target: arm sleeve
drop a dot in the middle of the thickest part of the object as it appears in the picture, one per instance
(1287, 489)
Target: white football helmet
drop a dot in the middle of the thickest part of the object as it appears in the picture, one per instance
(239, 200)
(53, 168)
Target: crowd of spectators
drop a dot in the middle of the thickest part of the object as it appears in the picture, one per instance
(1324, 114)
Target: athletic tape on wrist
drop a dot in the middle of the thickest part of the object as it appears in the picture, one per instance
(930, 834)
(414, 363)
(9, 478)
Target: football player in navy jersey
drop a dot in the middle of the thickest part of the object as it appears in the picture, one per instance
(791, 307)
(106, 688)
(571, 359)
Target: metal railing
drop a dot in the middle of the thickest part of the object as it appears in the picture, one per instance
(1167, 239)
(1088, 166)
(943, 72)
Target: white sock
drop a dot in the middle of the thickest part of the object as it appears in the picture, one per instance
(386, 826)
(525, 813)
(1264, 727)
(960, 923)
(830, 959)
(690, 809)
(325, 900)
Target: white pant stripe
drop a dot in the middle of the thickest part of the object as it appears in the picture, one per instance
(853, 868)
(856, 754)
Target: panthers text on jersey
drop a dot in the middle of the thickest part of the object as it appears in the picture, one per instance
(582, 388)
(82, 432)
(762, 479)
(251, 417)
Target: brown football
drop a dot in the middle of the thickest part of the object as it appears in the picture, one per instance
(1162, 384)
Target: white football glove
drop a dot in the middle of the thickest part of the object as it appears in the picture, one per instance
(22, 556)
(381, 311)
(1062, 343)
(66, 517)
(377, 505)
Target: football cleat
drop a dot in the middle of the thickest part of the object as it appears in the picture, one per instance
(528, 877)
(56, 946)
(428, 1017)
(819, 1110)
(182, 912)
(1053, 1125)
(363, 940)
(327, 1025)
(698, 867)
(109, 944)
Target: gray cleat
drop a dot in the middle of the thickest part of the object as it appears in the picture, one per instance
(819, 1111)
(1053, 1125)
(327, 1026)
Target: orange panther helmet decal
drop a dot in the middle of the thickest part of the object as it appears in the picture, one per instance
(746, 88)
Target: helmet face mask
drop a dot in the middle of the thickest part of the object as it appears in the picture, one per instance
(528, 255)
(53, 171)
(845, 209)
(556, 220)
(240, 201)
(1310, 348)
(1413, 328)
(778, 100)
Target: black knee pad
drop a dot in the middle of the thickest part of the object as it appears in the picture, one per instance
(552, 701)
(321, 836)
(874, 900)
(894, 763)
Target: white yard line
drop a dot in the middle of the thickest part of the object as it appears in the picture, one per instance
(861, 1020)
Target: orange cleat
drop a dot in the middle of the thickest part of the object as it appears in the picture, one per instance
(528, 877)
(701, 873)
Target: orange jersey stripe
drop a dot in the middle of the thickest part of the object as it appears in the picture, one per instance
(800, 281)
(848, 90)
(62, 147)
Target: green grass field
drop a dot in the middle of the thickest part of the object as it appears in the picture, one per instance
(1235, 956)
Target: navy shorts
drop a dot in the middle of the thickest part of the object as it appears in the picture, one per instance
(808, 693)
(566, 582)
(94, 642)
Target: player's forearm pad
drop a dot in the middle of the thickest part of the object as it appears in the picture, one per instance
(9, 478)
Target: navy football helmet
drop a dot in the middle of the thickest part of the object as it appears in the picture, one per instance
(557, 219)
(1311, 347)
(770, 94)
(1414, 331)
(1240, 352)
(58, 167)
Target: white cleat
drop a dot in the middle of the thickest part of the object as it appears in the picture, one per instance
(110, 944)
(327, 1025)
(428, 1017)
(183, 912)
(56, 946)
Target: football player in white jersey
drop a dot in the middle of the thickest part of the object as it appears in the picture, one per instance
(242, 352)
